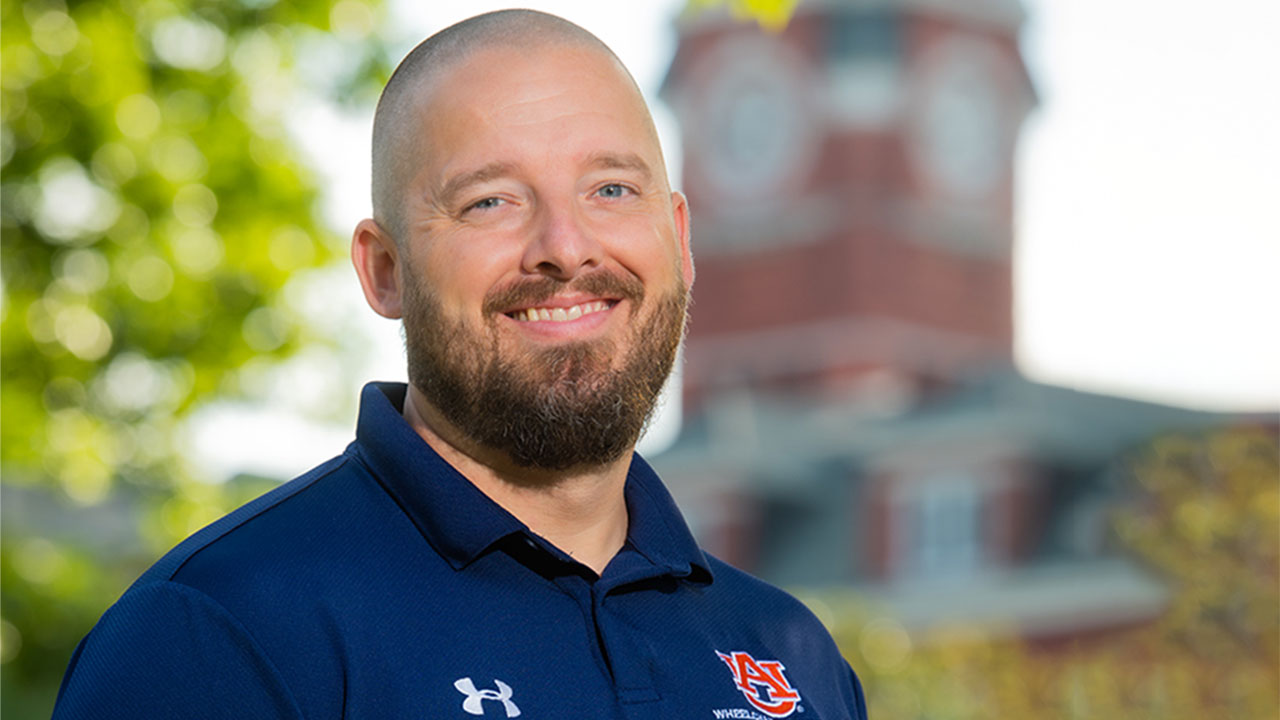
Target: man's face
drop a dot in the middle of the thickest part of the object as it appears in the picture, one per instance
(546, 264)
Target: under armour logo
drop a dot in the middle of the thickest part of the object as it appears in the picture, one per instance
(474, 704)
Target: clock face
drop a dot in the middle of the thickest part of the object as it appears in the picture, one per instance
(960, 120)
(752, 121)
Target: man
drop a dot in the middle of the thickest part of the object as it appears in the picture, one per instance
(489, 545)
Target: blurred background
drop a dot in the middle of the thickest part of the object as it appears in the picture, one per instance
(983, 362)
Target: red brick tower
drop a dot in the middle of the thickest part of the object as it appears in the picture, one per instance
(851, 180)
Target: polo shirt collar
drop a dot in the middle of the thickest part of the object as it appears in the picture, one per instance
(461, 522)
(655, 527)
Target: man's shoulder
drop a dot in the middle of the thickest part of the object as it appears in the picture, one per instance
(754, 599)
(228, 529)
(302, 529)
(743, 584)
(251, 592)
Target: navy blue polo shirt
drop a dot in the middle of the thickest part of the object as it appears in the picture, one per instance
(384, 585)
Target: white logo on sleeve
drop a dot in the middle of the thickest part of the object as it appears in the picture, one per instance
(474, 704)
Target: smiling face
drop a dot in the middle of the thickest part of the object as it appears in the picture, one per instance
(544, 265)
(540, 164)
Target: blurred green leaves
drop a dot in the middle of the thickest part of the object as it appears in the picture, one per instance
(153, 208)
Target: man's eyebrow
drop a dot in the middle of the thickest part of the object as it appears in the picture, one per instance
(456, 184)
(621, 161)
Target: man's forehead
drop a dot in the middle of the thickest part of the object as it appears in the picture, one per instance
(505, 66)
(476, 100)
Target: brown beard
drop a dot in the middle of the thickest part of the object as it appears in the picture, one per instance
(548, 409)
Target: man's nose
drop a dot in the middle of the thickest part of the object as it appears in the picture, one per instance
(561, 246)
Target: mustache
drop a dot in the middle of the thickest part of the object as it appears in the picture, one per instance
(534, 291)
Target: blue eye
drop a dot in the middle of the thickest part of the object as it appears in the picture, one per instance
(486, 204)
(613, 190)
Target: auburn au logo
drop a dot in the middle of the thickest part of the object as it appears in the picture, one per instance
(763, 683)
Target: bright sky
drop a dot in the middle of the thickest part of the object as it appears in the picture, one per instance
(1149, 201)
(1148, 236)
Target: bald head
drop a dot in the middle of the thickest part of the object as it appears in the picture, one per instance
(397, 151)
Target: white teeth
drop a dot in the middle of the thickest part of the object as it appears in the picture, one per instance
(559, 314)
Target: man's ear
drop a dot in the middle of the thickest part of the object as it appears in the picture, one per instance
(377, 260)
(680, 212)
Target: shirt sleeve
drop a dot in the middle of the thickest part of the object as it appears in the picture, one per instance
(859, 698)
(166, 650)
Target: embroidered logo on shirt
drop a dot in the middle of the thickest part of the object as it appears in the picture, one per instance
(474, 704)
(762, 683)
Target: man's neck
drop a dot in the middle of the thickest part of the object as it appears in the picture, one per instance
(582, 511)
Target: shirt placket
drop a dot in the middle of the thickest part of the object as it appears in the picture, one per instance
(629, 660)
(624, 658)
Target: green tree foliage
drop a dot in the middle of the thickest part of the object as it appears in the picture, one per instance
(1203, 511)
(153, 211)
